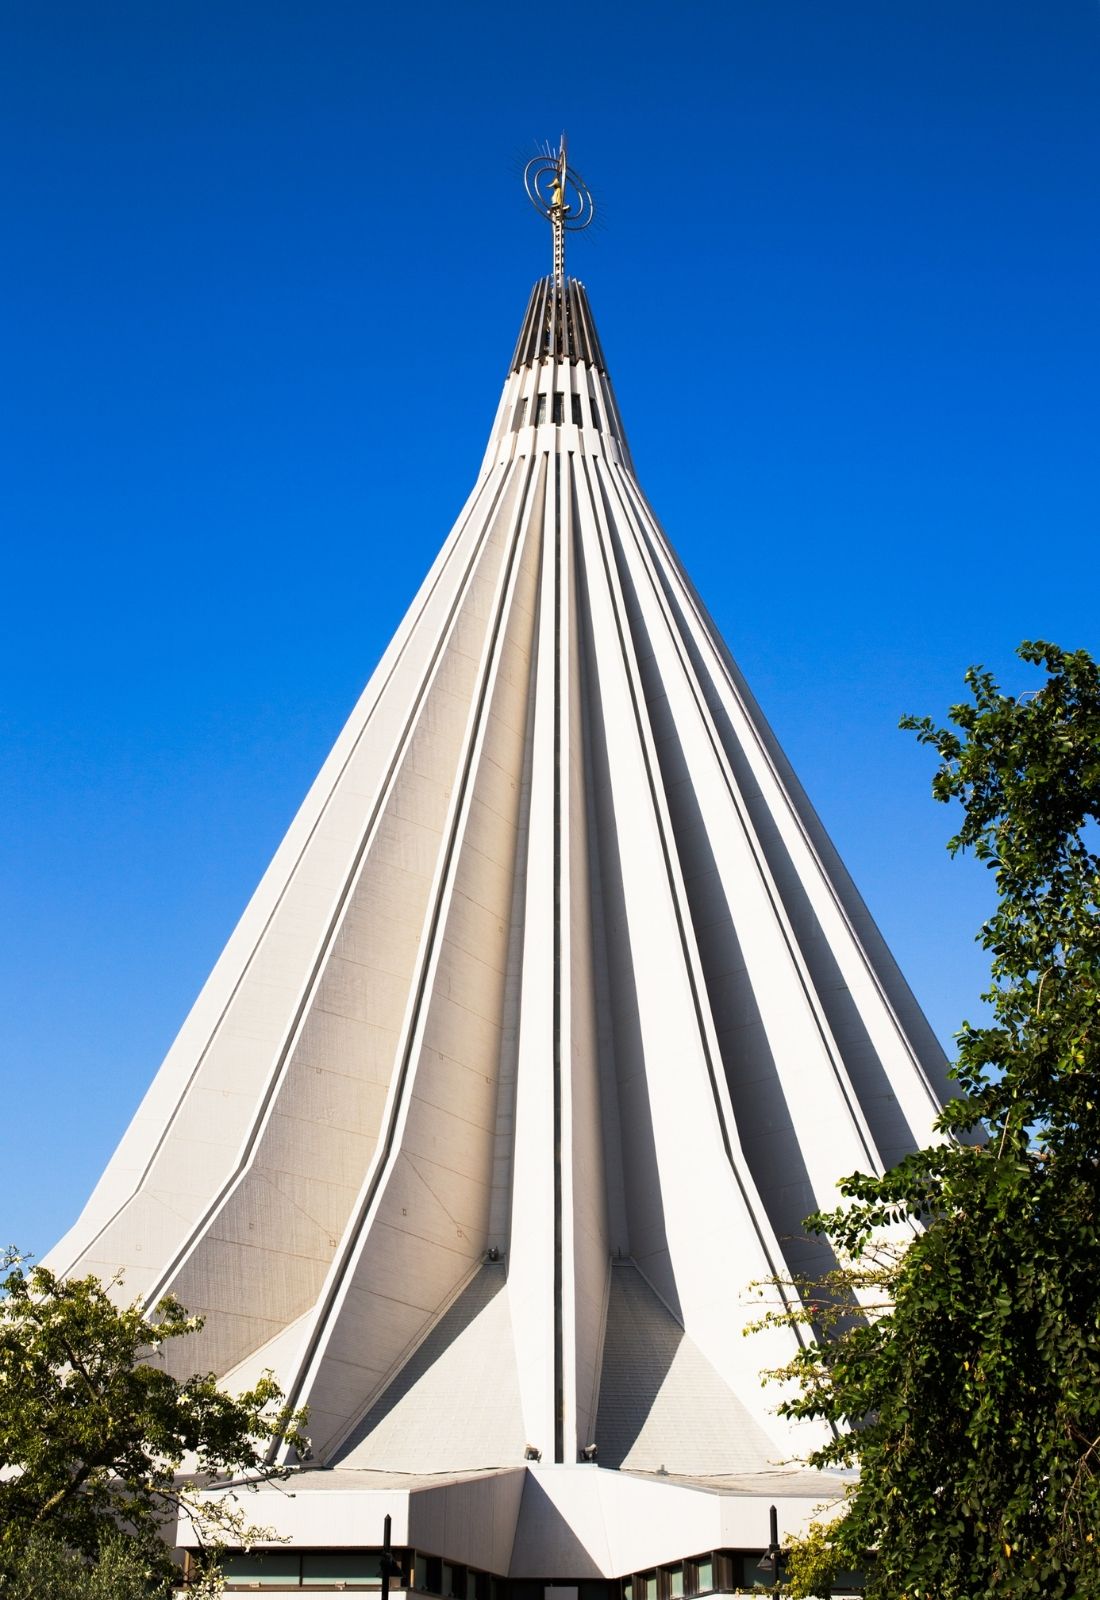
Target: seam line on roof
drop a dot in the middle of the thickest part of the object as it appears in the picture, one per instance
(559, 1332)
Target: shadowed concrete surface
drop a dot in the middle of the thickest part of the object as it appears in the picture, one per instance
(661, 1402)
(456, 1401)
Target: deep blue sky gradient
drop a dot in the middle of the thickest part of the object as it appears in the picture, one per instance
(264, 267)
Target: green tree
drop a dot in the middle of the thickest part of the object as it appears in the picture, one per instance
(967, 1391)
(97, 1437)
(45, 1568)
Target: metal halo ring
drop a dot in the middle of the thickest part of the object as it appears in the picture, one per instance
(584, 208)
(535, 169)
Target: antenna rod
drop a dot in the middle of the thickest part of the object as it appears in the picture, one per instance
(557, 212)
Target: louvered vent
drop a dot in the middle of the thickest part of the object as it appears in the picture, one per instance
(558, 326)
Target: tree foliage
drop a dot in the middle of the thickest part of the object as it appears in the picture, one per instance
(95, 1433)
(45, 1567)
(968, 1390)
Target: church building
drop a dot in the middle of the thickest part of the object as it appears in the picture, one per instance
(553, 1017)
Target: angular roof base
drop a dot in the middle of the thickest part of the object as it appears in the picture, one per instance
(558, 1524)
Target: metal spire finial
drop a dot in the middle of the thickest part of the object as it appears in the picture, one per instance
(561, 196)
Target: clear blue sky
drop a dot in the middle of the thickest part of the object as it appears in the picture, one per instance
(263, 271)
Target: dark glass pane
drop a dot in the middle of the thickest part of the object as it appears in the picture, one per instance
(263, 1567)
(454, 1581)
(361, 1568)
(577, 418)
(752, 1571)
(540, 409)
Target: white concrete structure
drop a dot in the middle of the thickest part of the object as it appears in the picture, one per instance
(553, 1016)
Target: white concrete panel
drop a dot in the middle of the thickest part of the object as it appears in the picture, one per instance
(531, 1238)
(473, 1521)
(663, 1407)
(336, 1518)
(455, 1401)
(585, 1522)
(586, 1243)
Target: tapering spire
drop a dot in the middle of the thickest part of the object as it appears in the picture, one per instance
(553, 1017)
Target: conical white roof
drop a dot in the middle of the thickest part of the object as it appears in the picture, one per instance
(553, 1016)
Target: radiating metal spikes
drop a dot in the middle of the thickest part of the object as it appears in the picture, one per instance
(561, 195)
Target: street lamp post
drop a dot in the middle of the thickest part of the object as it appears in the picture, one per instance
(770, 1563)
(389, 1564)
